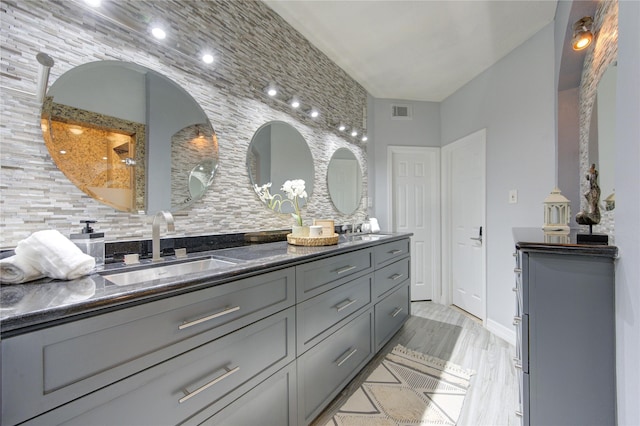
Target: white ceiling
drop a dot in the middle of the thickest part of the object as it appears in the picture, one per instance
(415, 50)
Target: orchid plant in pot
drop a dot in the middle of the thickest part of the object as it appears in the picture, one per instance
(295, 191)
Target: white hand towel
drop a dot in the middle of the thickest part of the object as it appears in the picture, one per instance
(55, 255)
(16, 270)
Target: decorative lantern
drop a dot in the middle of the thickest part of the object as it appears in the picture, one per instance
(556, 212)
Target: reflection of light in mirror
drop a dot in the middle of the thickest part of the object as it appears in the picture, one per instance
(207, 59)
(104, 158)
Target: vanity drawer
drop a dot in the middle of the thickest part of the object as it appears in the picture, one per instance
(49, 367)
(319, 316)
(271, 403)
(389, 252)
(389, 277)
(317, 277)
(325, 369)
(193, 386)
(390, 314)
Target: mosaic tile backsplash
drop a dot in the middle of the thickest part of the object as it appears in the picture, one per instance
(252, 46)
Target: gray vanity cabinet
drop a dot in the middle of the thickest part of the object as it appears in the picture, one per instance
(50, 367)
(565, 352)
(391, 313)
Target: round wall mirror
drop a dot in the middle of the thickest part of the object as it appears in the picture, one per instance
(344, 179)
(279, 153)
(129, 137)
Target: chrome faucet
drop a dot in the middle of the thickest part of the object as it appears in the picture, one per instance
(155, 232)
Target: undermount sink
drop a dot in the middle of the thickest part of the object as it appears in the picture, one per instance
(167, 271)
(365, 237)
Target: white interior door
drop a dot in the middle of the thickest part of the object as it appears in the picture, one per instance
(464, 207)
(414, 195)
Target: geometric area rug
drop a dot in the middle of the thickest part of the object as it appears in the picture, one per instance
(407, 388)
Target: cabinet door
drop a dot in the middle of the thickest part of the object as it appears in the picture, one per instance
(190, 387)
(319, 316)
(389, 252)
(271, 403)
(391, 313)
(390, 277)
(319, 276)
(326, 368)
(47, 368)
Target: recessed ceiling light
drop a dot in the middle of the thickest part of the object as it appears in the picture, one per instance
(158, 33)
(207, 59)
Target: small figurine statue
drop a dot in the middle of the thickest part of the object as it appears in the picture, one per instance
(592, 216)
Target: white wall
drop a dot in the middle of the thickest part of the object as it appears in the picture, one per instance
(422, 130)
(515, 101)
(627, 229)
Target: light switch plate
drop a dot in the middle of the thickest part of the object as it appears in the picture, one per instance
(513, 196)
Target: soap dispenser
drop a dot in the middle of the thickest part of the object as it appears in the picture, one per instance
(90, 242)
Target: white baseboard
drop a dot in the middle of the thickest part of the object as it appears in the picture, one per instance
(506, 333)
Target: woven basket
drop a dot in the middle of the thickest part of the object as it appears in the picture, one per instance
(313, 241)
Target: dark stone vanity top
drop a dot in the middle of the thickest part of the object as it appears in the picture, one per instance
(48, 302)
(535, 239)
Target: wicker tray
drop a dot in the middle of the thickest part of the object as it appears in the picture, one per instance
(312, 241)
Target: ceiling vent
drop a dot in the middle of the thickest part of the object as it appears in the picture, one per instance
(400, 112)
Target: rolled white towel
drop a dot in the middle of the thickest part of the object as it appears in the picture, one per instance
(55, 255)
(17, 270)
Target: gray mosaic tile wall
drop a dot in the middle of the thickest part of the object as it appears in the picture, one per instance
(252, 45)
(603, 51)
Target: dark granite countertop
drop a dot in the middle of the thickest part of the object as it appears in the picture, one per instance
(535, 239)
(48, 302)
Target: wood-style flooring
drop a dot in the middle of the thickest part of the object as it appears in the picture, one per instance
(450, 334)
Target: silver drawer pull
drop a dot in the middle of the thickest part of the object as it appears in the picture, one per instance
(514, 254)
(188, 394)
(396, 312)
(515, 289)
(344, 305)
(518, 413)
(349, 355)
(225, 311)
(396, 251)
(518, 366)
(395, 277)
(516, 320)
(517, 270)
(345, 269)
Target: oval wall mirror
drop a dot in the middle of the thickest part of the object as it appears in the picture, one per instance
(129, 137)
(278, 153)
(344, 179)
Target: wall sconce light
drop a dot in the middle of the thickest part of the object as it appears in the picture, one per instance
(582, 35)
(46, 63)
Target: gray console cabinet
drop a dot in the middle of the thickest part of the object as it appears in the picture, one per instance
(565, 337)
